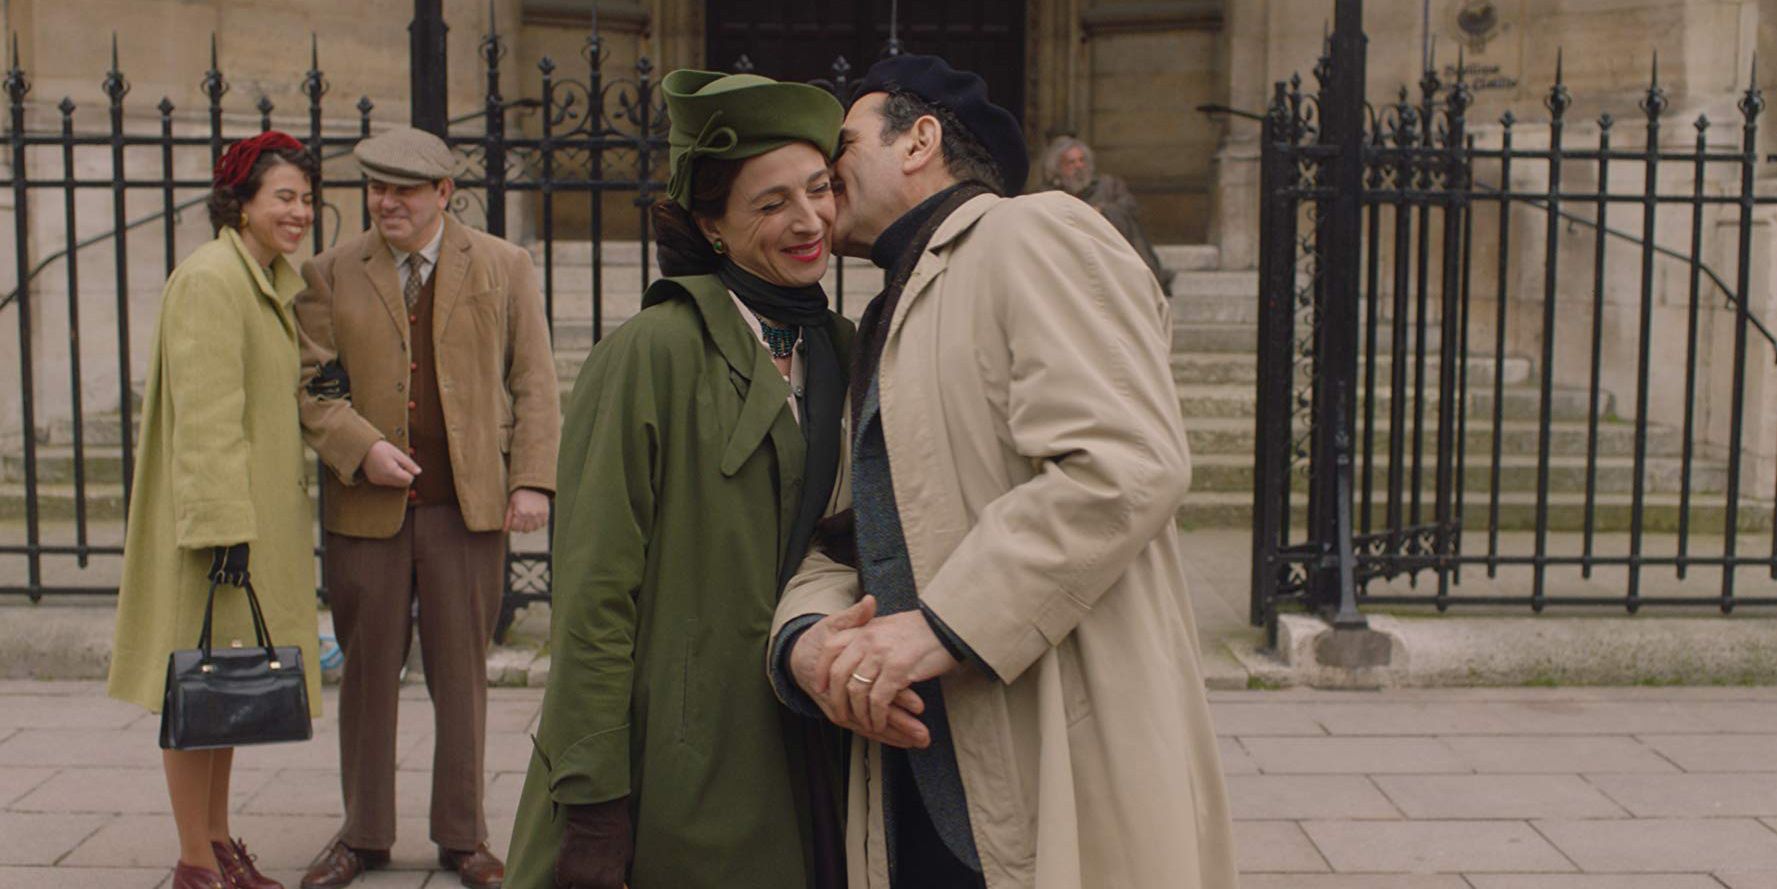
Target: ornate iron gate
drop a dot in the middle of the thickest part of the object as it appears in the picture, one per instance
(1364, 427)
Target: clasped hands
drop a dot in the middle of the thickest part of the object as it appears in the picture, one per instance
(859, 668)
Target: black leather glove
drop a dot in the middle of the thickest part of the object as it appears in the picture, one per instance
(228, 564)
(331, 383)
(595, 846)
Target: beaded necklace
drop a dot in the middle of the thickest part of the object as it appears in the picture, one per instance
(781, 341)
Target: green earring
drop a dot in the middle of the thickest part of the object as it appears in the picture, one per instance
(719, 246)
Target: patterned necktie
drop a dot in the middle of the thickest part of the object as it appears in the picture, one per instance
(411, 291)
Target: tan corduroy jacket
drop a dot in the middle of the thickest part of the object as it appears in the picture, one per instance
(496, 375)
(1039, 461)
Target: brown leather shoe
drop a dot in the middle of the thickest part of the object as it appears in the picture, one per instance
(237, 866)
(339, 864)
(187, 876)
(478, 869)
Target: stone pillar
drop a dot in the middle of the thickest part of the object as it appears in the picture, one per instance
(1234, 219)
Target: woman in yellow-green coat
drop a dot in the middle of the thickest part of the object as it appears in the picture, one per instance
(219, 490)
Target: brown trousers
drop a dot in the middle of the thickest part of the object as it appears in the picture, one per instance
(455, 575)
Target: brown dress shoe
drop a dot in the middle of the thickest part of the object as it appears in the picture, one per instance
(237, 865)
(186, 876)
(339, 864)
(478, 869)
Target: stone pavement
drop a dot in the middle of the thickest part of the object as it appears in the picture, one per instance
(1525, 788)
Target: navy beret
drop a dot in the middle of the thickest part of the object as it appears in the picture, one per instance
(964, 94)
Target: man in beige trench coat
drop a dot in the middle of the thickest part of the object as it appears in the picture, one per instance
(431, 394)
(1015, 412)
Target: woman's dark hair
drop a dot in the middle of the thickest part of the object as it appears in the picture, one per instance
(679, 245)
(225, 202)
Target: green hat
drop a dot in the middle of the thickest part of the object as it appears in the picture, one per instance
(737, 116)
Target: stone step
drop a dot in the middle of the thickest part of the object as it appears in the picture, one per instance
(1518, 402)
(1233, 473)
(1194, 336)
(1222, 435)
(1189, 368)
(1660, 514)
(1189, 257)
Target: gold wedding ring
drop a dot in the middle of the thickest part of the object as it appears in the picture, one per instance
(864, 680)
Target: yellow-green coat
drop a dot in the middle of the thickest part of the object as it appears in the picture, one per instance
(220, 462)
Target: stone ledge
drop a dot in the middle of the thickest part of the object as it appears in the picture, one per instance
(1503, 651)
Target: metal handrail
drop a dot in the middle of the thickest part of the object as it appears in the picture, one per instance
(1665, 251)
(181, 207)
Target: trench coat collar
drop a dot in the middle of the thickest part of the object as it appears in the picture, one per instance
(279, 288)
(937, 257)
(766, 409)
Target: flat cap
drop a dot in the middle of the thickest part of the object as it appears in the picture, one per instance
(405, 156)
(737, 116)
(964, 94)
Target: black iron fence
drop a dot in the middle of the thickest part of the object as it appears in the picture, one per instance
(1407, 396)
(586, 134)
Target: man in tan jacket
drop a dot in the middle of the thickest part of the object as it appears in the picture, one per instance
(430, 392)
(1017, 462)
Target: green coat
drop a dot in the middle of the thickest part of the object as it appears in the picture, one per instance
(220, 462)
(681, 468)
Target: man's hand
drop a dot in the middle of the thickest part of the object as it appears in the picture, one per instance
(527, 510)
(385, 465)
(893, 652)
(819, 645)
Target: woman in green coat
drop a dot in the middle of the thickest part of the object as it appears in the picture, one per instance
(220, 488)
(700, 447)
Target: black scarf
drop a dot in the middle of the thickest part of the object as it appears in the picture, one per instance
(824, 399)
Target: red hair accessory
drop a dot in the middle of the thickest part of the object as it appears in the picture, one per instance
(237, 162)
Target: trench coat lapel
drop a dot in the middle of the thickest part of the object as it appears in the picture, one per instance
(937, 258)
(379, 267)
(453, 267)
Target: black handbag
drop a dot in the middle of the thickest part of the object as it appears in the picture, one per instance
(235, 696)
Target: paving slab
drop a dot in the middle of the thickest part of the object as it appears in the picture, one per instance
(16, 781)
(1761, 879)
(80, 747)
(1592, 881)
(1235, 760)
(1275, 847)
(85, 712)
(35, 838)
(1434, 847)
(141, 791)
(1282, 756)
(1522, 754)
(1717, 753)
(1351, 881)
(1295, 797)
(1660, 845)
(1496, 796)
(1254, 719)
(83, 877)
(1693, 795)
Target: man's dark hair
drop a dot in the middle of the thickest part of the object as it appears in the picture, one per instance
(964, 155)
(224, 203)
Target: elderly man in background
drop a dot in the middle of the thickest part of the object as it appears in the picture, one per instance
(430, 392)
(1068, 165)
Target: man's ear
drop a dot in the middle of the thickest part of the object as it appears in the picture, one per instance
(925, 146)
(446, 188)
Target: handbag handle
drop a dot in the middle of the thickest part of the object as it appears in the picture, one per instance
(261, 634)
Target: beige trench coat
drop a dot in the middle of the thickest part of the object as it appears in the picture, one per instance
(496, 375)
(1039, 459)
